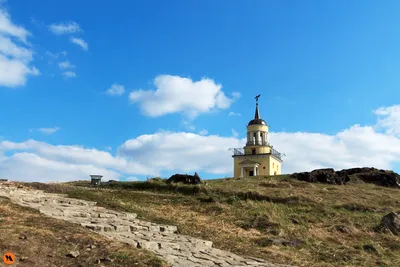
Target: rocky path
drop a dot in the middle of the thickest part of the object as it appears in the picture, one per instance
(176, 249)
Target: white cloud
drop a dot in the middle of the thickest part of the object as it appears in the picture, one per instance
(203, 132)
(66, 65)
(10, 49)
(80, 42)
(50, 130)
(234, 114)
(56, 55)
(30, 167)
(115, 89)
(188, 125)
(389, 119)
(236, 95)
(207, 153)
(14, 72)
(65, 28)
(8, 28)
(38, 161)
(15, 53)
(175, 94)
(356, 146)
(234, 133)
(69, 74)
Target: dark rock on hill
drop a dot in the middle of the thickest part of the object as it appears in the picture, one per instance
(367, 175)
(185, 178)
(327, 176)
(391, 222)
(372, 175)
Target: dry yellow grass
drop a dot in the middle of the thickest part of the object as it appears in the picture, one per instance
(39, 241)
(335, 224)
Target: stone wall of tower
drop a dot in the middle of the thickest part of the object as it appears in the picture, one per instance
(248, 150)
(261, 141)
(263, 160)
(257, 129)
(275, 167)
(269, 165)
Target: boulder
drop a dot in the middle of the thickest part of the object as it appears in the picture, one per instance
(391, 222)
(372, 175)
(327, 176)
(367, 175)
(185, 178)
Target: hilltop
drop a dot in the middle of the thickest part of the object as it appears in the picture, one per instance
(278, 218)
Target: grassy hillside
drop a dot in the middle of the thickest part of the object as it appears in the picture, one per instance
(276, 218)
(39, 241)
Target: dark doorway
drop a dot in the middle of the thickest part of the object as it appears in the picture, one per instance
(251, 173)
(253, 151)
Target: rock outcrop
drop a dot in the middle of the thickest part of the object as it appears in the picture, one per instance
(185, 178)
(391, 222)
(367, 175)
(327, 176)
(372, 175)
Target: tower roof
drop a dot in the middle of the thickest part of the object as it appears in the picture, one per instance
(257, 119)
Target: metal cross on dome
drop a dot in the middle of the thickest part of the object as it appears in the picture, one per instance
(257, 98)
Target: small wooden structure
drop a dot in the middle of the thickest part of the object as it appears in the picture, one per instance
(96, 179)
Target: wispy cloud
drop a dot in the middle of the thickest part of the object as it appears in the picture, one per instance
(203, 132)
(65, 28)
(188, 125)
(7, 27)
(234, 133)
(56, 55)
(47, 131)
(51, 130)
(236, 95)
(66, 65)
(234, 114)
(69, 74)
(80, 42)
(116, 89)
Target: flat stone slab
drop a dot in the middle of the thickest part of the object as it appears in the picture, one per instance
(163, 240)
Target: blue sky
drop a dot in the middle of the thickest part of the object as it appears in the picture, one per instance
(131, 89)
